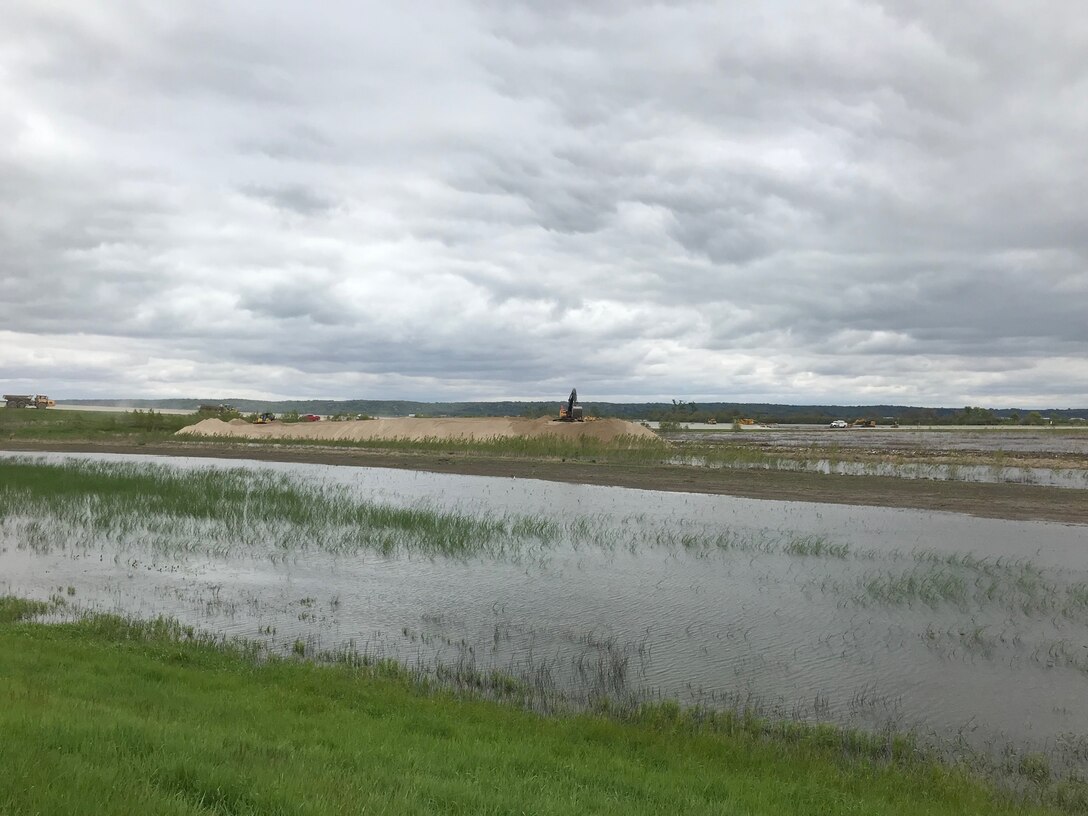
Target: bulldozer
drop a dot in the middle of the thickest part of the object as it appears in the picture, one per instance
(265, 418)
(568, 411)
(28, 401)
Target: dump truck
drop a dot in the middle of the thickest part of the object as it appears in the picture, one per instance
(28, 401)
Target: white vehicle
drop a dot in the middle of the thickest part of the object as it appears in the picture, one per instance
(839, 423)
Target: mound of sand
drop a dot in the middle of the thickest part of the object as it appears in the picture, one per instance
(605, 430)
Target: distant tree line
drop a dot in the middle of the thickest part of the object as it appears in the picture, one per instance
(975, 415)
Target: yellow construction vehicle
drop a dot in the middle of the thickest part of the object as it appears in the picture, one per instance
(265, 418)
(568, 411)
(28, 401)
(863, 423)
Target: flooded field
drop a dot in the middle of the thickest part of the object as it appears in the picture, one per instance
(1073, 478)
(1047, 457)
(966, 630)
(1013, 441)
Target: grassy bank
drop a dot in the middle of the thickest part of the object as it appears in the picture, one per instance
(107, 716)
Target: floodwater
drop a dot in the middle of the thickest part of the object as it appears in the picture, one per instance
(824, 450)
(954, 626)
(1071, 440)
(1073, 478)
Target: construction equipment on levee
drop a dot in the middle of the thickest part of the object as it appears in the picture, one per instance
(568, 411)
(28, 401)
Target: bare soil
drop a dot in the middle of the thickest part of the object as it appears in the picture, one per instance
(420, 428)
(1006, 501)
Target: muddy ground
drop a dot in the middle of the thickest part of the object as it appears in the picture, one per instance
(1008, 501)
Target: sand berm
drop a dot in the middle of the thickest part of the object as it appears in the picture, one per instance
(417, 429)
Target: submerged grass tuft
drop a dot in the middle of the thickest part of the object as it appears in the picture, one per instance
(816, 546)
(931, 586)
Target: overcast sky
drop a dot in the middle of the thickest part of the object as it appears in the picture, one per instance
(797, 202)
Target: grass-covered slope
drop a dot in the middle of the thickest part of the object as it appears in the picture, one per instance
(110, 717)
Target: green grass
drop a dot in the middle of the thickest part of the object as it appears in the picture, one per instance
(212, 510)
(623, 449)
(15, 609)
(58, 425)
(816, 546)
(931, 586)
(107, 716)
(216, 511)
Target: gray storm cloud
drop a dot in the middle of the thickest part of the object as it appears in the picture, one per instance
(795, 202)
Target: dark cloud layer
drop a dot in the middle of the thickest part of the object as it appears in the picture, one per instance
(794, 202)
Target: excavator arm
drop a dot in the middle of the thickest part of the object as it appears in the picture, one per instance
(570, 411)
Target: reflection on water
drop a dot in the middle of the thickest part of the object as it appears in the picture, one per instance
(855, 615)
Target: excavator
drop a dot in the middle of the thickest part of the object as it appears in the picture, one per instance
(568, 411)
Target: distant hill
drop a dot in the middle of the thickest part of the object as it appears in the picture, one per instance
(670, 411)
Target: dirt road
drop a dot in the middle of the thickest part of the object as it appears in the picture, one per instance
(1009, 501)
